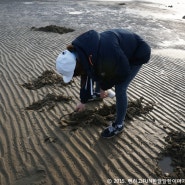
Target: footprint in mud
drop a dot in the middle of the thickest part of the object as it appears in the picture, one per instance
(35, 176)
(48, 77)
(53, 28)
(48, 102)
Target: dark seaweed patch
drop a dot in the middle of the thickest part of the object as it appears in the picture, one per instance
(105, 114)
(48, 101)
(53, 28)
(48, 77)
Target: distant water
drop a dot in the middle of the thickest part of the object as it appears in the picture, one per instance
(177, 5)
(180, 4)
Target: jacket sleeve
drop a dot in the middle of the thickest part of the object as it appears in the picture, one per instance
(86, 90)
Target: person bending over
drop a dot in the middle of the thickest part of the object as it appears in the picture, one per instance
(108, 59)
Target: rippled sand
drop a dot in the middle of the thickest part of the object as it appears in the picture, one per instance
(34, 148)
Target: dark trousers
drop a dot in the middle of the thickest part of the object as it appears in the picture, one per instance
(121, 96)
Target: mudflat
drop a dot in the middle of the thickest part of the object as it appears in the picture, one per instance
(42, 139)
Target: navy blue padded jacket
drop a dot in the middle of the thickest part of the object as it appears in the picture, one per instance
(106, 57)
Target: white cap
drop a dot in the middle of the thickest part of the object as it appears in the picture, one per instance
(65, 65)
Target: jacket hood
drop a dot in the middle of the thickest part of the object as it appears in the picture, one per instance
(88, 42)
(87, 46)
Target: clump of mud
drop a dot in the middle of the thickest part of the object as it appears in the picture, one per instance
(175, 149)
(105, 114)
(122, 4)
(48, 77)
(138, 108)
(48, 102)
(53, 28)
(49, 139)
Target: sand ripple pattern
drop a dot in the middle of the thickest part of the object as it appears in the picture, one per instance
(33, 147)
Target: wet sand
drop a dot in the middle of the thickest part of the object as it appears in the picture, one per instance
(35, 146)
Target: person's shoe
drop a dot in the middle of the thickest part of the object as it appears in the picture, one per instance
(112, 131)
(110, 93)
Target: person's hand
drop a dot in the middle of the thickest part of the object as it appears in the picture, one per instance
(80, 107)
(103, 94)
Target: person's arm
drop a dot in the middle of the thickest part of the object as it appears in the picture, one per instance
(86, 92)
(80, 107)
(103, 94)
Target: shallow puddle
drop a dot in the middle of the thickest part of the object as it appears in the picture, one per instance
(165, 165)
